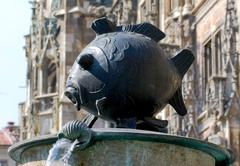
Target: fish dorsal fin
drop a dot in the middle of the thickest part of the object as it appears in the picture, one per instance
(183, 61)
(146, 29)
(103, 25)
(177, 103)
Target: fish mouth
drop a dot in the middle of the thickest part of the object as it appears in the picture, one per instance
(73, 95)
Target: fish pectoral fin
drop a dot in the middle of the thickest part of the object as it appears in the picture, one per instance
(103, 25)
(177, 103)
(89, 120)
(101, 104)
(182, 61)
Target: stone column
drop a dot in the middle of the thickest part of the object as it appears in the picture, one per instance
(175, 8)
(187, 7)
(167, 7)
(40, 80)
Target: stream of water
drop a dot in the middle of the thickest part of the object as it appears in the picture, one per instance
(61, 153)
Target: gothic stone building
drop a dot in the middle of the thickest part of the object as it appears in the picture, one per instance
(210, 28)
(59, 30)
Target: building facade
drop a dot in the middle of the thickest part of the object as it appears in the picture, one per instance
(210, 28)
(8, 136)
(59, 31)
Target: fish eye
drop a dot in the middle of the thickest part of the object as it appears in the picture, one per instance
(85, 61)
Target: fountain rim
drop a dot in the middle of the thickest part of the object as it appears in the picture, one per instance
(220, 155)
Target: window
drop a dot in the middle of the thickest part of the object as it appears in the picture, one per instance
(153, 6)
(24, 122)
(46, 124)
(143, 12)
(208, 61)
(218, 58)
(213, 60)
(153, 12)
(49, 76)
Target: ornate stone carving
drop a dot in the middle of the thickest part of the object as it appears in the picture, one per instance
(56, 5)
(125, 11)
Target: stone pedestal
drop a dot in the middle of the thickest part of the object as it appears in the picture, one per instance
(127, 147)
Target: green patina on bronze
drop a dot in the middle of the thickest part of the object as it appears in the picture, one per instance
(221, 156)
(16, 150)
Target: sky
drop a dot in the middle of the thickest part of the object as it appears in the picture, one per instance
(15, 18)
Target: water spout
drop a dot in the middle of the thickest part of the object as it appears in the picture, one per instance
(75, 136)
(61, 152)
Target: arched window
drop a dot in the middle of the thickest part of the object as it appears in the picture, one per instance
(49, 76)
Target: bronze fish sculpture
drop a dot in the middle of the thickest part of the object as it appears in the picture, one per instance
(124, 74)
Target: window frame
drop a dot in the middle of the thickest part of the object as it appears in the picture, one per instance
(212, 39)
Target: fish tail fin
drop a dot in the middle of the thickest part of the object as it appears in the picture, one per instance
(182, 61)
(177, 103)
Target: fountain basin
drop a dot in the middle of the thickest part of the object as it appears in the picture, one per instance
(127, 147)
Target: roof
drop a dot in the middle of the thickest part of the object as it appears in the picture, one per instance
(9, 134)
(5, 139)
